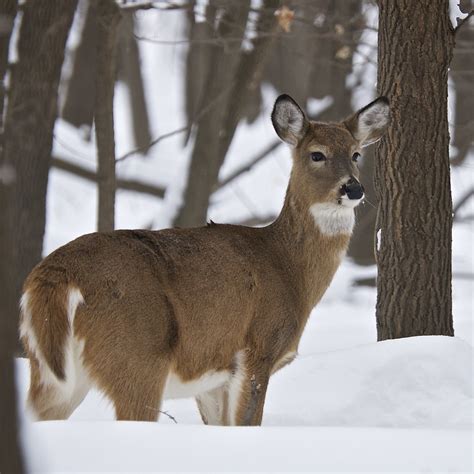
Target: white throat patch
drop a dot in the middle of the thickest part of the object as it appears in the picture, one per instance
(332, 218)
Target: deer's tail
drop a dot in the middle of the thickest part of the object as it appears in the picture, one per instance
(46, 321)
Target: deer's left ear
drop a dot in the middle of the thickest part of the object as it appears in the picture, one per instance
(370, 123)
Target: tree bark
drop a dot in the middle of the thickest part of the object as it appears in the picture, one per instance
(28, 131)
(108, 18)
(7, 16)
(412, 171)
(78, 108)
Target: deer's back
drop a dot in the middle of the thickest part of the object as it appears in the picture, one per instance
(200, 294)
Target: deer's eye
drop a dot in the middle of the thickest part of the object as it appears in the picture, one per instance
(317, 156)
(355, 156)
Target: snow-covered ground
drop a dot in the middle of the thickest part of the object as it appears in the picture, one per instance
(347, 403)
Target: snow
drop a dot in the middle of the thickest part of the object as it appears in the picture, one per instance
(403, 404)
(455, 12)
(347, 403)
(145, 447)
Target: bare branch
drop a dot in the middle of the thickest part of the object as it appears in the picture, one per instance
(152, 143)
(263, 154)
(125, 184)
(148, 5)
(185, 128)
(463, 200)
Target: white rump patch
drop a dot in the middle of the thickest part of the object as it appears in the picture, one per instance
(333, 219)
(75, 298)
(176, 388)
(76, 380)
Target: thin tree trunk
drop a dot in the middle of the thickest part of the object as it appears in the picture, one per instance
(249, 75)
(129, 71)
(462, 71)
(28, 131)
(108, 18)
(198, 60)
(78, 108)
(204, 166)
(412, 171)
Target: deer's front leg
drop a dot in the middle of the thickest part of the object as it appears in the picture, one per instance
(247, 390)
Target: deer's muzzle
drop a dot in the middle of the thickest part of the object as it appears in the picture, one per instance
(353, 189)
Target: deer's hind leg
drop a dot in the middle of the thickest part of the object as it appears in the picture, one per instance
(137, 395)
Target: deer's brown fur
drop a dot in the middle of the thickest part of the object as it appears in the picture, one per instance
(124, 310)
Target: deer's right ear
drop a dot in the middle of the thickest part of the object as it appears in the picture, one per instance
(289, 120)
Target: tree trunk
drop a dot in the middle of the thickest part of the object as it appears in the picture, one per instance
(129, 72)
(249, 75)
(78, 108)
(108, 18)
(461, 72)
(198, 60)
(10, 450)
(412, 171)
(28, 132)
(205, 166)
(7, 16)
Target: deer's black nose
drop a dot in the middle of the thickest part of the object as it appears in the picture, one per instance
(353, 189)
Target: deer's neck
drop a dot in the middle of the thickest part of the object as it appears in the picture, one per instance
(312, 239)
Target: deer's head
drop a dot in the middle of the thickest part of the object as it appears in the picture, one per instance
(325, 154)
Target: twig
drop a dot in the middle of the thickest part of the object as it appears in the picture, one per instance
(152, 143)
(249, 165)
(171, 417)
(185, 128)
(147, 5)
(125, 184)
(462, 201)
(461, 22)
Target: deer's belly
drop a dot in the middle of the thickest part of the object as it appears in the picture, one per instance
(176, 388)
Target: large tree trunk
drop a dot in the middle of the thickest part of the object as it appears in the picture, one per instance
(7, 16)
(28, 132)
(10, 451)
(108, 18)
(412, 171)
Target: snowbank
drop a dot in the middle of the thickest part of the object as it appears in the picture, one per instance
(324, 412)
(141, 447)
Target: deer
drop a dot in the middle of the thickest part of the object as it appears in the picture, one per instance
(209, 312)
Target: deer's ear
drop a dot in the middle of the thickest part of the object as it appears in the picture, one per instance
(370, 123)
(289, 120)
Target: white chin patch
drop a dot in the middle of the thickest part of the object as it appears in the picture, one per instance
(333, 218)
(346, 202)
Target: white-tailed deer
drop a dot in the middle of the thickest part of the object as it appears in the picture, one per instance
(210, 312)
